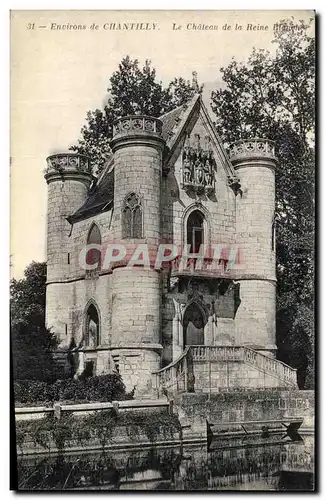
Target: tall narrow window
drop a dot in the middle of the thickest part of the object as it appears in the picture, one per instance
(94, 254)
(195, 232)
(132, 217)
(92, 327)
(273, 233)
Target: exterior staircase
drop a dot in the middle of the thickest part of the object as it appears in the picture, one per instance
(212, 369)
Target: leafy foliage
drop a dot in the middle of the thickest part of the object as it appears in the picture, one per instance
(155, 424)
(102, 388)
(100, 425)
(31, 342)
(132, 90)
(274, 97)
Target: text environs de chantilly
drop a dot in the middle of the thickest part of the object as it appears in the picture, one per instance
(107, 26)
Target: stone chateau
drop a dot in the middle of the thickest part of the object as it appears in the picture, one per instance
(202, 328)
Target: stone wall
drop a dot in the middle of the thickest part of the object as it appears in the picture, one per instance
(177, 204)
(232, 375)
(67, 304)
(219, 210)
(194, 410)
(78, 239)
(135, 425)
(136, 364)
(255, 321)
(138, 170)
(68, 294)
(136, 306)
(64, 197)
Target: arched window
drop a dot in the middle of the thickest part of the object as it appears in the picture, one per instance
(94, 255)
(193, 325)
(132, 217)
(194, 231)
(92, 327)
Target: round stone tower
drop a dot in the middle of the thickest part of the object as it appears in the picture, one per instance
(136, 345)
(255, 162)
(68, 176)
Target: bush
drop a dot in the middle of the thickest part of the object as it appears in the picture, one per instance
(93, 389)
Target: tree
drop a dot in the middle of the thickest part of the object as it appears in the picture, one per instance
(273, 97)
(31, 342)
(132, 90)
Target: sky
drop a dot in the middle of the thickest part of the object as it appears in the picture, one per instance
(57, 75)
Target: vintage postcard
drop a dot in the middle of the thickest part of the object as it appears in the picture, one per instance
(162, 250)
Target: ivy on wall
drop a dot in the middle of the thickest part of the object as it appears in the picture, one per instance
(101, 425)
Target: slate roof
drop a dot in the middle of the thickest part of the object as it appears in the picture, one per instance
(169, 121)
(100, 198)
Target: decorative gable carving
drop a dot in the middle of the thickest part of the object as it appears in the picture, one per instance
(198, 166)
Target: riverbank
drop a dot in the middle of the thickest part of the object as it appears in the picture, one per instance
(187, 418)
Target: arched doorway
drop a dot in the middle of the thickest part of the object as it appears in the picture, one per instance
(193, 326)
(92, 327)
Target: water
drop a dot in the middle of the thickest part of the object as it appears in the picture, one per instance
(232, 465)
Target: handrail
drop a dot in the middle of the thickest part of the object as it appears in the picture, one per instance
(179, 373)
(173, 363)
(248, 355)
(274, 359)
(248, 349)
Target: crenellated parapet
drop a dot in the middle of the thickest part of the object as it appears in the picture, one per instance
(67, 166)
(252, 150)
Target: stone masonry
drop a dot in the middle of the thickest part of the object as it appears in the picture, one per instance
(169, 180)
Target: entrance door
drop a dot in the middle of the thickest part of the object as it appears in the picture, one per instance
(193, 325)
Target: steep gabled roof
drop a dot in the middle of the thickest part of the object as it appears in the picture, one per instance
(169, 120)
(181, 121)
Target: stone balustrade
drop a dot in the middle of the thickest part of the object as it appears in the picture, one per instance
(67, 162)
(254, 148)
(206, 267)
(137, 123)
(174, 375)
(179, 375)
(246, 355)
